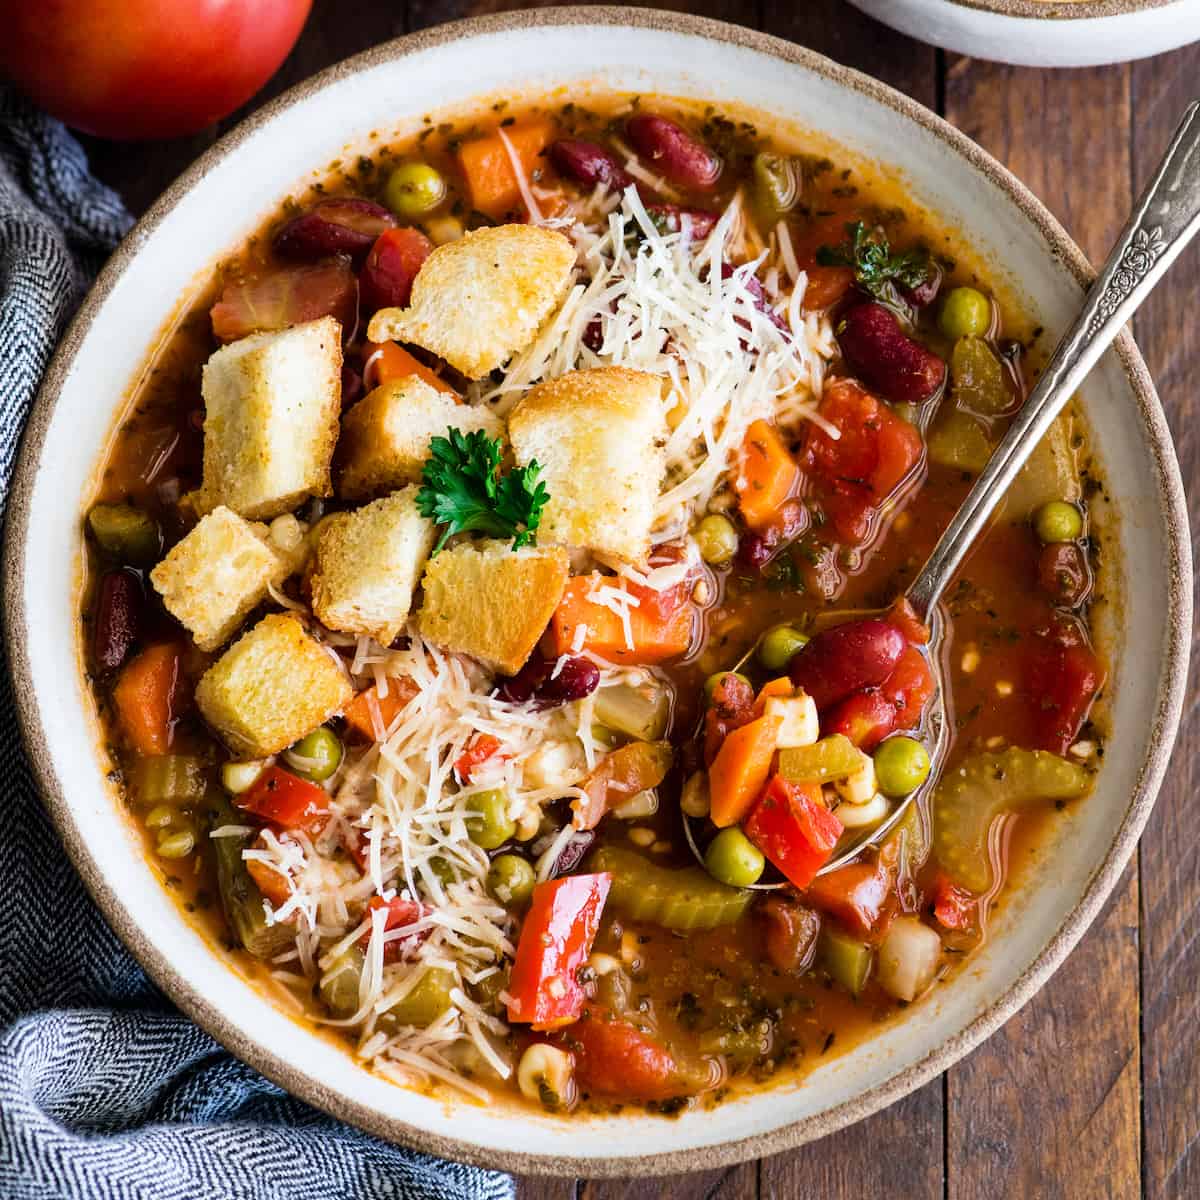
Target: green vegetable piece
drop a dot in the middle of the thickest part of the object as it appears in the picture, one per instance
(901, 766)
(831, 758)
(490, 825)
(414, 189)
(977, 379)
(970, 797)
(876, 269)
(675, 899)
(126, 533)
(177, 779)
(639, 711)
(463, 491)
(486, 993)
(776, 184)
(732, 858)
(710, 684)
(316, 756)
(511, 880)
(425, 1003)
(1058, 521)
(176, 845)
(339, 984)
(716, 539)
(778, 645)
(844, 959)
(1051, 472)
(966, 312)
(159, 817)
(957, 440)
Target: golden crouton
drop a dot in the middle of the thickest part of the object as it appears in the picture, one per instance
(492, 602)
(220, 571)
(367, 563)
(478, 301)
(272, 402)
(597, 436)
(273, 686)
(385, 436)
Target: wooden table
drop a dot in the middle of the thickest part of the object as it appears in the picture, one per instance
(1093, 1089)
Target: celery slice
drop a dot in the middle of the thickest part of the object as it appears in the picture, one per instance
(637, 711)
(169, 779)
(978, 378)
(845, 959)
(957, 440)
(831, 758)
(127, 533)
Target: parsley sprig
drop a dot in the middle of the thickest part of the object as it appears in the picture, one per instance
(464, 491)
(876, 269)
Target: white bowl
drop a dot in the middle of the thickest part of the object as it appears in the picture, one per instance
(1045, 33)
(222, 198)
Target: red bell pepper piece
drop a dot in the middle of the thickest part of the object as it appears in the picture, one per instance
(286, 800)
(614, 1058)
(856, 895)
(953, 906)
(475, 755)
(555, 941)
(400, 912)
(791, 826)
(1062, 676)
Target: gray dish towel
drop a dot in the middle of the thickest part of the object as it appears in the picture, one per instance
(105, 1090)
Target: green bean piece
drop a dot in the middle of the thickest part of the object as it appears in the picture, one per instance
(414, 189)
(1058, 521)
(831, 758)
(716, 539)
(732, 858)
(901, 766)
(778, 645)
(489, 826)
(639, 711)
(126, 533)
(966, 312)
(179, 779)
(176, 845)
(957, 440)
(675, 899)
(969, 798)
(511, 880)
(844, 959)
(316, 756)
(425, 1002)
(339, 984)
(710, 684)
(776, 184)
(977, 379)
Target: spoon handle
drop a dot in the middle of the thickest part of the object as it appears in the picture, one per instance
(1165, 219)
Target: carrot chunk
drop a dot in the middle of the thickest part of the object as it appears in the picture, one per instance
(485, 161)
(358, 713)
(147, 698)
(660, 626)
(740, 770)
(394, 362)
(766, 475)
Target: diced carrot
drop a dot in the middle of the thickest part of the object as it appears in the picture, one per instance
(275, 887)
(491, 181)
(740, 770)
(775, 687)
(660, 626)
(148, 698)
(358, 712)
(826, 286)
(394, 362)
(765, 477)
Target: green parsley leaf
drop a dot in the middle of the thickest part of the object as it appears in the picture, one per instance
(876, 269)
(463, 490)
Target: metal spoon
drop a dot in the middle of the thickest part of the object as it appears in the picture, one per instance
(1165, 219)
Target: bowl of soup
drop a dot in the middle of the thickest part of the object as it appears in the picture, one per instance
(488, 702)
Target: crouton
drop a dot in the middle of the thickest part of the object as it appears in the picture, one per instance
(221, 570)
(478, 301)
(597, 436)
(492, 602)
(385, 436)
(273, 686)
(272, 402)
(367, 563)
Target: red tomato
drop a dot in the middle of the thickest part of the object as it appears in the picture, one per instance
(475, 755)
(791, 826)
(867, 717)
(286, 800)
(856, 895)
(387, 276)
(556, 939)
(953, 907)
(614, 1058)
(1062, 676)
(145, 68)
(730, 707)
(400, 912)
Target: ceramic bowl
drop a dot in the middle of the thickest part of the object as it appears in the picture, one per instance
(221, 199)
(1045, 33)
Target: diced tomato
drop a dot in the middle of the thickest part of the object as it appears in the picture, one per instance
(867, 717)
(620, 774)
(274, 885)
(953, 907)
(615, 1058)
(730, 706)
(1062, 676)
(556, 938)
(287, 296)
(399, 914)
(483, 747)
(791, 933)
(904, 617)
(826, 286)
(857, 472)
(386, 279)
(909, 687)
(359, 714)
(856, 895)
(287, 801)
(791, 826)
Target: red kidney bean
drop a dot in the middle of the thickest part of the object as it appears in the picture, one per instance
(387, 276)
(680, 157)
(345, 225)
(754, 551)
(1063, 573)
(573, 852)
(926, 291)
(577, 678)
(846, 659)
(589, 164)
(667, 217)
(885, 358)
(117, 618)
(755, 288)
(352, 385)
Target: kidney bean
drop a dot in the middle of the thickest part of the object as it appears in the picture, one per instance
(117, 618)
(667, 217)
(680, 157)
(847, 658)
(387, 276)
(926, 291)
(589, 164)
(345, 225)
(1063, 573)
(572, 854)
(352, 385)
(578, 677)
(755, 288)
(885, 358)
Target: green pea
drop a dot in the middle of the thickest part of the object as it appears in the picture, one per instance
(425, 1003)
(733, 858)
(490, 825)
(710, 684)
(510, 879)
(1058, 521)
(443, 869)
(966, 312)
(901, 766)
(778, 645)
(414, 189)
(716, 539)
(316, 756)
(176, 845)
(159, 817)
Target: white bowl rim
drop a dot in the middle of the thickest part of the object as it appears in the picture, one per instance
(295, 1079)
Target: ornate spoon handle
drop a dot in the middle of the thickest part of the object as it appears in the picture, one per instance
(1164, 220)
